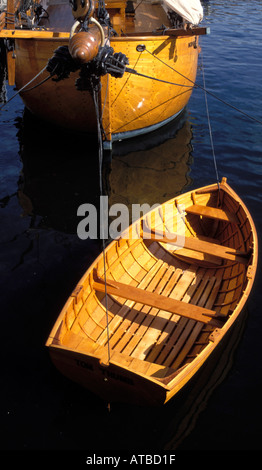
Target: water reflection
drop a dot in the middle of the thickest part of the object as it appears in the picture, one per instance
(156, 174)
(2, 72)
(197, 394)
(167, 428)
(61, 171)
(41, 263)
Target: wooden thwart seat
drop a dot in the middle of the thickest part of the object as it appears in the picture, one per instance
(155, 300)
(209, 248)
(212, 212)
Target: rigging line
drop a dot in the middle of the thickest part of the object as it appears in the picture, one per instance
(207, 91)
(128, 70)
(120, 91)
(100, 154)
(38, 84)
(139, 4)
(23, 87)
(209, 125)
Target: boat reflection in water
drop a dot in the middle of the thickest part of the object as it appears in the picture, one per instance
(152, 174)
(2, 72)
(194, 399)
(166, 428)
(58, 177)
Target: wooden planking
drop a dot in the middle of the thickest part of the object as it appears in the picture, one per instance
(144, 367)
(155, 300)
(126, 314)
(158, 326)
(143, 318)
(202, 291)
(186, 346)
(77, 342)
(136, 315)
(169, 337)
(208, 300)
(227, 296)
(151, 325)
(119, 312)
(187, 338)
(203, 339)
(126, 248)
(212, 212)
(234, 272)
(191, 330)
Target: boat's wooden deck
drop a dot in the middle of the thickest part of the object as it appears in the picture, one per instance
(148, 17)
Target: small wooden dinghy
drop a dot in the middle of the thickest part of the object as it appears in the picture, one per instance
(152, 308)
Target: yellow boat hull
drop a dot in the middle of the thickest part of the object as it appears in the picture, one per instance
(130, 105)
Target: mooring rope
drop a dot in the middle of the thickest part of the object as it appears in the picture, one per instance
(28, 83)
(209, 124)
(100, 156)
(128, 70)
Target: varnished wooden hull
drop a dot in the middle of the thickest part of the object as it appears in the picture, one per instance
(168, 304)
(58, 103)
(130, 105)
(137, 104)
(133, 104)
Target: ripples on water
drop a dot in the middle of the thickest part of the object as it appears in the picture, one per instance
(41, 257)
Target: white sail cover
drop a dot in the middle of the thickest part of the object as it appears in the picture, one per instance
(3, 4)
(190, 10)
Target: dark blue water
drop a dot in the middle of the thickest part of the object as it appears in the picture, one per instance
(45, 175)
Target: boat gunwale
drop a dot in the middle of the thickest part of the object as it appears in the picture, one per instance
(48, 35)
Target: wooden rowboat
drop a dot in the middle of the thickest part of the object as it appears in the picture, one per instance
(152, 308)
(130, 104)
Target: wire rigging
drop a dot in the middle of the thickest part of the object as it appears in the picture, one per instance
(113, 68)
(209, 126)
(24, 87)
(100, 156)
(207, 91)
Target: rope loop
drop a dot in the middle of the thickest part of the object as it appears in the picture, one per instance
(93, 20)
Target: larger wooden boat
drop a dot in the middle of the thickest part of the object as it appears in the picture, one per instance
(151, 309)
(145, 37)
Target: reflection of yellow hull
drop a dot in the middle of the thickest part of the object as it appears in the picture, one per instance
(129, 105)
